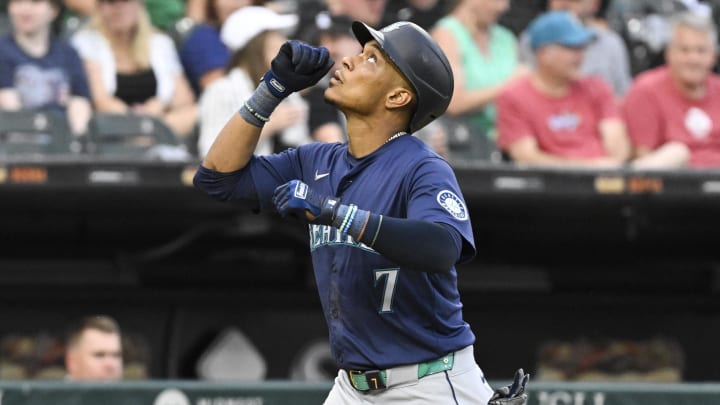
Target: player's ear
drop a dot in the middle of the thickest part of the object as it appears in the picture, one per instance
(398, 97)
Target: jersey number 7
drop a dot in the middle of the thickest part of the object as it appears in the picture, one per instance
(390, 276)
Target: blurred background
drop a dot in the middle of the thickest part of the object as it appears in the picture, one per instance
(585, 272)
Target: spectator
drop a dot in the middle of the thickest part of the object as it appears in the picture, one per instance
(40, 71)
(254, 35)
(133, 68)
(202, 53)
(673, 111)
(368, 11)
(316, 13)
(94, 350)
(326, 123)
(606, 56)
(83, 8)
(484, 58)
(555, 116)
(424, 13)
(163, 13)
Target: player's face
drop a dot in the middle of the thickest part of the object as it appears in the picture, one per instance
(31, 16)
(97, 356)
(690, 56)
(363, 82)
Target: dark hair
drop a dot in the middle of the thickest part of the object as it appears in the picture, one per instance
(102, 323)
(252, 57)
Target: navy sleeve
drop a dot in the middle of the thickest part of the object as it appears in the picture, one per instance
(419, 245)
(436, 197)
(235, 186)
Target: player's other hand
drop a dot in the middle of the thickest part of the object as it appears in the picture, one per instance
(296, 199)
(513, 394)
(297, 66)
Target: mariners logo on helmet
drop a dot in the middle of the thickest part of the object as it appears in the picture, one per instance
(453, 204)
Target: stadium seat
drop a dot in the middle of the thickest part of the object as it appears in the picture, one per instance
(133, 136)
(33, 132)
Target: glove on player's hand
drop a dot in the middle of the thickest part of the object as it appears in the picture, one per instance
(513, 394)
(295, 67)
(296, 199)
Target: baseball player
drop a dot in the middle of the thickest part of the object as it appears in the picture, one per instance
(387, 220)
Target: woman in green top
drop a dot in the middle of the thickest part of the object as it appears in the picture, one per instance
(484, 58)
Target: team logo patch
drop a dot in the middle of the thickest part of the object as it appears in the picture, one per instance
(453, 204)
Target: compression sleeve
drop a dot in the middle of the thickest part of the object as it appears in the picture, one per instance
(226, 186)
(419, 245)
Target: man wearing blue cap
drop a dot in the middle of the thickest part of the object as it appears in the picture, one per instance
(606, 57)
(556, 116)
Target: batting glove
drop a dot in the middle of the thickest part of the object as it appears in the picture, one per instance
(296, 199)
(513, 394)
(297, 66)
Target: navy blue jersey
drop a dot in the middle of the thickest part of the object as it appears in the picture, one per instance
(379, 314)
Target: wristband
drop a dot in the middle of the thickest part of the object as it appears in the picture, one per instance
(258, 108)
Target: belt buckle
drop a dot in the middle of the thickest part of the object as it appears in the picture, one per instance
(370, 380)
(352, 374)
(374, 380)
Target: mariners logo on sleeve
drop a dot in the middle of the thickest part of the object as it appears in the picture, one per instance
(453, 204)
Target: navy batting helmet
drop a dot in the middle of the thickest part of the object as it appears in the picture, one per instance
(420, 60)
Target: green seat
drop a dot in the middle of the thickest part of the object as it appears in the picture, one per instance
(133, 136)
(33, 133)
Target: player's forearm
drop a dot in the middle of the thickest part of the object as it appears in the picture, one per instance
(413, 244)
(417, 245)
(233, 147)
(236, 143)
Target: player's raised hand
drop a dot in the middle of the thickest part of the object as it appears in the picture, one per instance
(296, 199)
(297, 66)
(513, 394)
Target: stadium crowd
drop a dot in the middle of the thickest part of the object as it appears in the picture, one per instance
(558, 87)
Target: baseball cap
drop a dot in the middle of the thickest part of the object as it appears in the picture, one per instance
(247, 22)
(559, 28)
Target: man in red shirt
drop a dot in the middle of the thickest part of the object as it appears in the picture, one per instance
(555, 116)
(673, 111)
